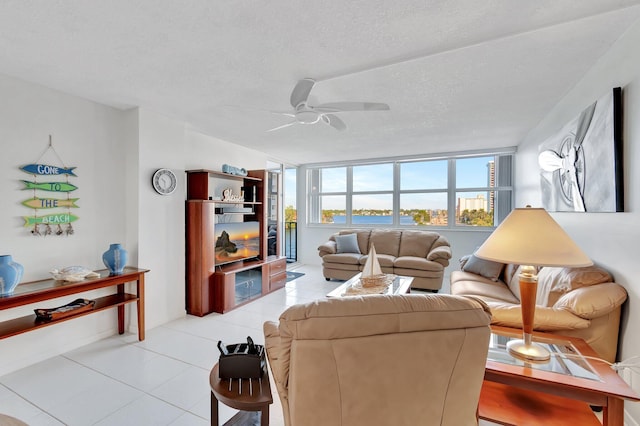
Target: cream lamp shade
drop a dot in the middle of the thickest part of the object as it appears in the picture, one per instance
(530, 237)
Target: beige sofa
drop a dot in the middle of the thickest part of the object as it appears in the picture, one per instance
(422, 255)
(416, 359)
(580, 302)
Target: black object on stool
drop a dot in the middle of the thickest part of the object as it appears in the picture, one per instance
(241, 360)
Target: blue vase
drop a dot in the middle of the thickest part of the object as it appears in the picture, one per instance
(10, 274)
(115, 259)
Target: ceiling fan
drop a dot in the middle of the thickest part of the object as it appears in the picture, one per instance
(325, 113)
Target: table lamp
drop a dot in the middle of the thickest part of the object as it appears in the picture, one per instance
(529, 237)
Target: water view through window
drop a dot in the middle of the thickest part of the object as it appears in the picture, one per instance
(464, 191)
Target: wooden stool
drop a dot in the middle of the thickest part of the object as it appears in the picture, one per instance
(244, 395)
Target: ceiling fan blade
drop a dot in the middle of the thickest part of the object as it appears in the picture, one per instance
(250, 108)
(351, 106)
(301, 91)
(283, 126)
(334, 121)
(286, 114)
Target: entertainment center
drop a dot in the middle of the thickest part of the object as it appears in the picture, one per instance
(227, 269)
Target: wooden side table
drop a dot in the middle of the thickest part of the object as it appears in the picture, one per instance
(509, 405)
(574, 373)
(244, 395)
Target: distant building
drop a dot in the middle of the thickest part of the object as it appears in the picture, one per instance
(480, 202)
(477, 203)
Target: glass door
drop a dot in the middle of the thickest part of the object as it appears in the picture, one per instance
(290, 214)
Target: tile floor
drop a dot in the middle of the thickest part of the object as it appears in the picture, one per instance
(163, 380)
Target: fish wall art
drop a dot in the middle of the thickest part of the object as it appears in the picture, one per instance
(46, 180)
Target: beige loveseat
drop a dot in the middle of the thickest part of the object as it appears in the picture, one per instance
(422, 255)
(580, 302)
(416, 359)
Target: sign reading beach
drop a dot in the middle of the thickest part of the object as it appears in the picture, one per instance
(56, 180)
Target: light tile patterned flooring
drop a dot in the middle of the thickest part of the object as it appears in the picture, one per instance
(163, 380)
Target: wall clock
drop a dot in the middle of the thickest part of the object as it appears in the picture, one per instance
(164, 181)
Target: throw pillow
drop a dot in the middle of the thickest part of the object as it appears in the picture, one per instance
(485, 268)
(556, 281)
(347, 243)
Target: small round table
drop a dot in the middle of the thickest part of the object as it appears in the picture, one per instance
(241, 394)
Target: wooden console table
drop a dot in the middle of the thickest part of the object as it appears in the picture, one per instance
(38, 291)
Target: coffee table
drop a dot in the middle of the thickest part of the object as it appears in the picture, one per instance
(574, 372)
(400, 285)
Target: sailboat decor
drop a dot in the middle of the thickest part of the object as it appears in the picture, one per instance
(372, 275)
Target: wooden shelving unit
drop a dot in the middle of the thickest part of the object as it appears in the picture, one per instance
(212, 288)
(198, 182)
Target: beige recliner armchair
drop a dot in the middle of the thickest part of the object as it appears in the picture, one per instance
(380, 360)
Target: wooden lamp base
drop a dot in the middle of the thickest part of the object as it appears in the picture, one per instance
(525, 348)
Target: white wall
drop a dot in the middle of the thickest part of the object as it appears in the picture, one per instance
(160, 233)
(207, 152)
(90, 137)
(610, 239)
(116, 153)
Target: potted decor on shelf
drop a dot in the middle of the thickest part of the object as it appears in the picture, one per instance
(10, 274)
(115, 259)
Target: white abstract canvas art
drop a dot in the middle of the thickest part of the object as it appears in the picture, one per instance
(581, 165)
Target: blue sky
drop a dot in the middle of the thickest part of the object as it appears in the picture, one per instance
(290, 187)
(470, 173)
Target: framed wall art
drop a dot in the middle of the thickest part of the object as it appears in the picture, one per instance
(581, 165)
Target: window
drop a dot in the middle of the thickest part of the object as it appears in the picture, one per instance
(423, 192)
(372, 194)
(477, 189)
(461, 192)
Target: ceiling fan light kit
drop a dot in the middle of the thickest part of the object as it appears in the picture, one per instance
(324, 113)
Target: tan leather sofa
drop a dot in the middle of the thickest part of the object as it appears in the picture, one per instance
(422, 255)
(580, 302)
(415, 359)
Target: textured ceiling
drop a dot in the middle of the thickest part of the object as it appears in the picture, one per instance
(457, 74)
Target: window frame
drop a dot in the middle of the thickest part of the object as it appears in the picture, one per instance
(313, 196)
